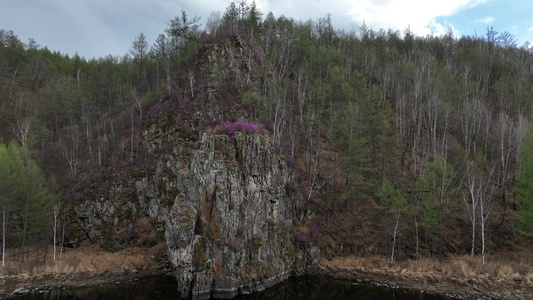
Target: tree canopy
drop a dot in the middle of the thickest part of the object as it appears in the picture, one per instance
(349, 108)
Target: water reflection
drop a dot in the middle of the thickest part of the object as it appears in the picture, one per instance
(294, 289)
(151, 288)
(329, 289)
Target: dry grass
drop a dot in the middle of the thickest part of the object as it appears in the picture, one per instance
(502, 268)
(87, 259)
(147, 235)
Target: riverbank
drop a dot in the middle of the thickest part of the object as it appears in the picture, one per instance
(20, 286)
(507, 279)
(90, 266)
(85, 266)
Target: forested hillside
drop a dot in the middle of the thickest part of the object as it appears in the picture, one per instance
(405, 146)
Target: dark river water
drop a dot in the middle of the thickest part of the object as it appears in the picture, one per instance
(294, 289)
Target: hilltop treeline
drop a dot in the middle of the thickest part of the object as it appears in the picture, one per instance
(405, 145)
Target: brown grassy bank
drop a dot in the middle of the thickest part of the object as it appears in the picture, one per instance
(87, 265)
(504, 276)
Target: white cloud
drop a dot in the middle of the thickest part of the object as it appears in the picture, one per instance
(485, 20)
(439, 29)
(530, 29)
(418, 15)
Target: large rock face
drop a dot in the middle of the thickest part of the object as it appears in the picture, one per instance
(226, 207)
(228, 227)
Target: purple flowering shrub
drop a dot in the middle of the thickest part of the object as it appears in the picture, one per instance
(232, 32)
(186, 128)
(304, 189)
(315, 233)
(301, 237)
(157, 108)
(233, 242)
(230, 128)
(293, 163)
(307, 193)
(309, 234)
(314, 226)
(208, 121)
(79, 196)
(208, 39)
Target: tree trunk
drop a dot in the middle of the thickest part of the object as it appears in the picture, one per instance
(13, 83)
(473, 240)
(4, 221)
(416, 227)
(24, 229)
(131, 137)
(55, 229)
(482, 240)
(394, 234)
(62, 237)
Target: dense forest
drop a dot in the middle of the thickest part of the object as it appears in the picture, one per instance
(405, 146)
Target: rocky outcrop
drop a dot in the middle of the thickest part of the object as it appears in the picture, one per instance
(228, 223)
(226, 206)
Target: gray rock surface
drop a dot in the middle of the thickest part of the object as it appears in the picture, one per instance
(226, 206)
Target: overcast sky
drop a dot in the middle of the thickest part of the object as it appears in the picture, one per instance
(96, 28)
